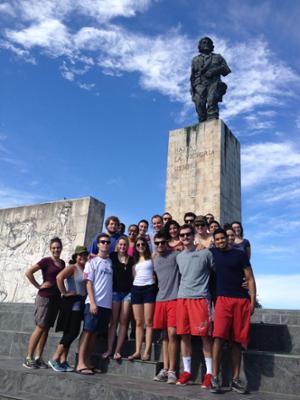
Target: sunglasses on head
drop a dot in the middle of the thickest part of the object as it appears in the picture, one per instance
(182, 235)
(105, 241)
(160, 242)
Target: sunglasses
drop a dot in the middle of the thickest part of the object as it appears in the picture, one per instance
(182, 235)
(161, 242)
(105, 241)
(189, 221)
(132, 233)
(140, 245)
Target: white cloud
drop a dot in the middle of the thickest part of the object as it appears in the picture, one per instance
(21, 53)
(101, 10)
(264, 163)
(162, 61)
(10, 197)
(6, 8)
(278, 291)
(50, 34)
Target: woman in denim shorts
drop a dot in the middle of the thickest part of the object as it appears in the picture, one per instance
(143, 295)
(121, 300)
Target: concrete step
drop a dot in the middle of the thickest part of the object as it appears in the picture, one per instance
(271, 372)
(21, 384)
(264, 336)
(14, 345)
(274, 316)
(271, 316)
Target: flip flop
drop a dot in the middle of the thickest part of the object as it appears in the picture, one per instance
(146, 357)
(105, 356)
(97, 370)
(117, 357)
(81, 371)
(134, 357)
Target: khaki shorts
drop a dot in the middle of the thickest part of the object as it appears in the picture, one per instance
(46, 310)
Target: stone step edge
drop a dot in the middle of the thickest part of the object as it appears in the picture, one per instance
(271, 354)
(20, 395)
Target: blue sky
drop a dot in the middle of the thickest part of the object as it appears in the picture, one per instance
(90, 90)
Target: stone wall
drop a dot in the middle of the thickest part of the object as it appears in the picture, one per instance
(203, 173)
(25, 233)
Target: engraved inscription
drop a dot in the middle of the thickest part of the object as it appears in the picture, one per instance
(182, 157)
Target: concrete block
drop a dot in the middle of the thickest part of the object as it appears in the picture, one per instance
(203, 172)
(26, 233)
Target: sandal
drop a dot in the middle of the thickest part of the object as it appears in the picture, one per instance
(105, 355)
(117, 357)
(85, 371)
(146, 357)
(134, 356)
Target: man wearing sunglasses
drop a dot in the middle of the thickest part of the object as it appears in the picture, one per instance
(166, 269)
(193, 312)
(98, 275)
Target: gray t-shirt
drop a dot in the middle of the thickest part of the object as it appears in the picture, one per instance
(166, 269)
(195, 267)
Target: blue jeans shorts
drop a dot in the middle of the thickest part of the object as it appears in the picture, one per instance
(119, 297)
(96, 323)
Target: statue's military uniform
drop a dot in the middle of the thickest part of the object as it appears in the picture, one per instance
(208, 89)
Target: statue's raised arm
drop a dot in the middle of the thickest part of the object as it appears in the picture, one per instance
(207, 89)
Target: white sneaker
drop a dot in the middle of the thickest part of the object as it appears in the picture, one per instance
(172, 378)
(162, 376)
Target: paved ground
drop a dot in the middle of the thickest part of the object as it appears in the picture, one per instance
(20, 383)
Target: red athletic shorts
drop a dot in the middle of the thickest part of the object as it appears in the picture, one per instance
(165, 314)
(232, 319)
(193, 317)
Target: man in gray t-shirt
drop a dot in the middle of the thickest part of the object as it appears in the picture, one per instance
(167, 273)
(193, 313)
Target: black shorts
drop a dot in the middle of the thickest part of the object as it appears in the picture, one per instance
(143, 294)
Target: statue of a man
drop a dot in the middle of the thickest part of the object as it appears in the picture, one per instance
(207, 89)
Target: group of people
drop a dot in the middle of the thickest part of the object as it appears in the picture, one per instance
(169, 280)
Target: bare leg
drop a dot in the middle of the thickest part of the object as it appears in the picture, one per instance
(149, 311)
(216, 355)
(186, 347)
(58, 352)
(34, 339)
(172, 348)
(85, 339)
(41, 343)
(138, 312)
(236, 360)
(165, 350)
(123, 325)
(116, 306)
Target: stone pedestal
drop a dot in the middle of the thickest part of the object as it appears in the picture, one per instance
(25, 233)
(203, 173)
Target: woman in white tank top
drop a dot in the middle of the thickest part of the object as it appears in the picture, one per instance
(143, 296)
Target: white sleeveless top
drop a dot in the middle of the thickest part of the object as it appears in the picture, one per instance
(144, 273)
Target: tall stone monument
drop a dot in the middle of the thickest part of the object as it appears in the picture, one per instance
(203, 173)
(25, 233)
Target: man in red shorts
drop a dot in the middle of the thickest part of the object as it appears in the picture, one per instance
(193, 312)
(166, 269)
(234, 306)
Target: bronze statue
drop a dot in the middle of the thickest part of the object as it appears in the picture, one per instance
(207, 89)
